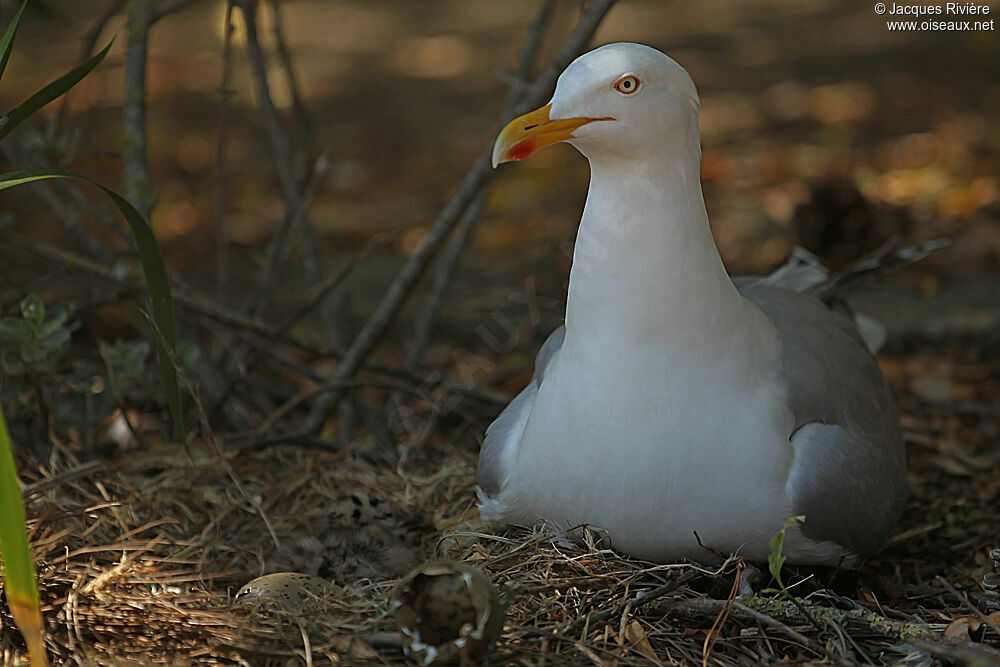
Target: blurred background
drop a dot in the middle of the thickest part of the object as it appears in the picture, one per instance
(349, 335)
(820, 127)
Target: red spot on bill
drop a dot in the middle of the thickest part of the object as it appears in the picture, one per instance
(521, 150)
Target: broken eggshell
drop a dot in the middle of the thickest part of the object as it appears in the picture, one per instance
(447, 613)
(291, 590)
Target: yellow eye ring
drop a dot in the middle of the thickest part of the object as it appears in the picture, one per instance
(628, 84)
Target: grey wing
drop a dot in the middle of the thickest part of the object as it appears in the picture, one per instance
(804, 272)
(503, 435)
(848, 469)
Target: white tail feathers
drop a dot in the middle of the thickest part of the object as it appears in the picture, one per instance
(804, 272)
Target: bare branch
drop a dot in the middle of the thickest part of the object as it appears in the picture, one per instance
(46, 190)
(529, 52)
(250, 358)
(238, 322)
(222, 258)
(281, 149)
(89, 41)
(964, 653)
(774, 623)
(328, 286)
(285, 56)
(91, 36)
(442, 278)
(136, 183)
(256, 302)
(210, 436)
(168, 7)
(280, 146)
(644, 597)
(964, 599)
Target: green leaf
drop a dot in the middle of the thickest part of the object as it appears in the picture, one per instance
(33, 310)
(154, 269)
(20, 586)
(776, 559)
(7, 41)
(50, 92)
(14, 330)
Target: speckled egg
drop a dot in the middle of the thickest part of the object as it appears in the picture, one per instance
(292, 590)
(447, 613)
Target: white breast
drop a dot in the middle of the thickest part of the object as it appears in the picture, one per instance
(615, 446)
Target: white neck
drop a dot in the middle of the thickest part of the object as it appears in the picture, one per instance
(646, 268)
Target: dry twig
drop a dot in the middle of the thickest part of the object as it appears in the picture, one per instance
(446, 269)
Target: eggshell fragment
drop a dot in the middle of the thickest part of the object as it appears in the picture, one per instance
(292, 590)
(447, 613)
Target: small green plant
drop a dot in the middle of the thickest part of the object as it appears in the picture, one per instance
(39, 339)
(776, 559)
(154, 267)
(33, 347)
(128, 358)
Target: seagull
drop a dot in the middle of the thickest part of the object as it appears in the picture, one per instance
(677, 406)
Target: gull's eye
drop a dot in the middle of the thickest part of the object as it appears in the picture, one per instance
(627, 85)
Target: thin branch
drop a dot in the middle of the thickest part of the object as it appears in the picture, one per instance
(295, 210)
(282, 153)
(116, 394)
(285, 56)
(289, 155)
(136, 182)
(210, 435)
(964, 599)
(479, 175)
(238, 322)
(528, 56)
(442, 278)
(90, 38)
(249, 359)
(967, 653)
(326, 288)
(307, 394)
(89, 42)
(222, 257)
(168, 7)
(775, 624)
(644, 597)
(71, 221)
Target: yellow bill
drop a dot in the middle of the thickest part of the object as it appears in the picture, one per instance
(526, 134)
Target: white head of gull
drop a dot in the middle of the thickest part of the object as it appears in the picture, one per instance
(676, 399)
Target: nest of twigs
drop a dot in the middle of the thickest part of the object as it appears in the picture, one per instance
(139, 560)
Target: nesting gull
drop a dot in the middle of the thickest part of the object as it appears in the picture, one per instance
(675, 399)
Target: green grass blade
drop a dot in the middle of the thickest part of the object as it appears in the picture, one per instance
(7, 41)
(50, 92)
(19, 582)
(154, 269)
